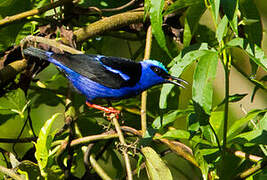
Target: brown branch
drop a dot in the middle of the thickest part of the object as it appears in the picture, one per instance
(243, 155)
(51, 42)
(109, 23)
(17, 17)
(11, 70)
(252, 170)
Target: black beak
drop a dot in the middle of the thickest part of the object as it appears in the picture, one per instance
(175, 80)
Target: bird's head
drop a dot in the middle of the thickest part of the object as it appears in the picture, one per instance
(154, 72)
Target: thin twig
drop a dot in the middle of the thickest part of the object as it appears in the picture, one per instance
(177, 147)
(88, 139)
(17, 17)
(119, 8)
(69, 120)
(86, 156)
(227, 63)
(252, 170)
(10, 173)
(98, 168)
(144, 94)
(124, 149)
(251, 157)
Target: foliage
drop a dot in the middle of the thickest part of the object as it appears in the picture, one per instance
(202, 133)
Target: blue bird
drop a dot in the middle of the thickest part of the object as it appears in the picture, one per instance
(110, 78)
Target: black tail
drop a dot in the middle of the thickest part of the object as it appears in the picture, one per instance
(31, 51)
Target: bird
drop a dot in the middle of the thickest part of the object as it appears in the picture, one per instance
(107, 77)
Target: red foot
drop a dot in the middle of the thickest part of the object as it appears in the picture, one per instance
(108, 110)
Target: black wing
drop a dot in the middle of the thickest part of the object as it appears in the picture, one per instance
(112, 72)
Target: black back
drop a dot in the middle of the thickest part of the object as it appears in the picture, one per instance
(93, 67)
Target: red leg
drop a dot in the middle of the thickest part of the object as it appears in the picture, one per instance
(107, 110)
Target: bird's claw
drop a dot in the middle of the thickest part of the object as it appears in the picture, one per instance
(111, 113)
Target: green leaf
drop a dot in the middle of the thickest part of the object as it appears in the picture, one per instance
(234, 98)
(263, 123)
(254, 52)
(252, 21)
(216, 121)
(240, 124)
(156, 168)
(222, 29)
(230, 8)
(155, 12)
(147, 6)
(204, 76)
(193, 14)
(10, 32)
(180, 4)
(43, 144)
(179, 134)
(13, 100)
(179, 63)
(251, 138)
(167, 119)
(253, 26)
(215, 7)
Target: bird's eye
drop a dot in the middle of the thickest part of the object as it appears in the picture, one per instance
(157, 70)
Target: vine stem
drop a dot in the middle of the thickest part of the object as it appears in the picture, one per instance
(227, 66)
(124, 150)
(144, 94)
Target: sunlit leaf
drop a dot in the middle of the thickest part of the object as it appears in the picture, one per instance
(215, 6)
(204, 76)
(253, 25)
(156, 168)
(254, 52)
(251, 138)
(43, 144)
(155, 12)
(230, 8)
(216, 121)
(180, 4)
(193, 15)
(234, 98)
(179, 134)
(168, 118)
(240, 124)
(179, 63)
(222, 29)
(10, 32)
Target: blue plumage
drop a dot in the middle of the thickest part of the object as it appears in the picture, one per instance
(101, 77)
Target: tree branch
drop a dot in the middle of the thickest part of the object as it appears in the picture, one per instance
(17, 17)
(109, 23)
(11, 70)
